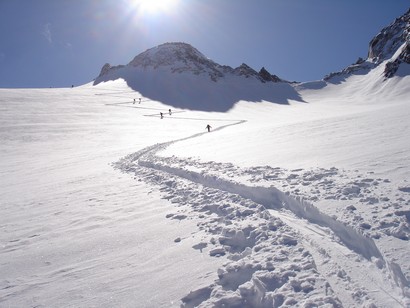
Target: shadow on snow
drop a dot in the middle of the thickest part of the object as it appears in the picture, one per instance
(199, 92)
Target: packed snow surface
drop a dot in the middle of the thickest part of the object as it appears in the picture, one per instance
(106, 204)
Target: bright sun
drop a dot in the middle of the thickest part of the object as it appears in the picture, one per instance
(154, 6)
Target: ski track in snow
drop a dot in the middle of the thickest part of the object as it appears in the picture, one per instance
(282, 250)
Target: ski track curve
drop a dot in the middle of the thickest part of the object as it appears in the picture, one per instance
(265, 233)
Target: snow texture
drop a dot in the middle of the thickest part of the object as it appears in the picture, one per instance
(242, 220)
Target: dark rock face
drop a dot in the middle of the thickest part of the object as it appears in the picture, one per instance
(358, 68)
(392, 66)
(394, 38)
(266, 76)
(385, 44)
(107, 68)
(263, 75)
(245, 70)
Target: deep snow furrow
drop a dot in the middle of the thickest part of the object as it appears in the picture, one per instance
(272, 198)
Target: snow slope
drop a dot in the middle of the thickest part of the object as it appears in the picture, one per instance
(75, 232)
(301, 204)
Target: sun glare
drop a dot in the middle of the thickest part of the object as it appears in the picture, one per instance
(154, 6)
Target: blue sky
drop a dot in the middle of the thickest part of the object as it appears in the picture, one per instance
(59, 43)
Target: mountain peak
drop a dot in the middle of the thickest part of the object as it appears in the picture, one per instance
(169, 54)
(386, 43)
(392, 44)
(178, 58)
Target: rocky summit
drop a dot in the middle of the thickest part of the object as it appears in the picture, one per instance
(393, 44)
(393, 38)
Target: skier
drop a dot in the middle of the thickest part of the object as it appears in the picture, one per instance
(161, 114)
(208, 127)
(134, 101)
(169, 111)
(139, 101)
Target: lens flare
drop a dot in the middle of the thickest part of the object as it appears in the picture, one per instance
(154, 6)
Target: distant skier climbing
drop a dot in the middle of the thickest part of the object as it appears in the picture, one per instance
(139, 101)
(208, 127)
(134, 101)
(161, 114)
(169, 111)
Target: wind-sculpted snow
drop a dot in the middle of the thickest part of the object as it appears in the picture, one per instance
(282, 249)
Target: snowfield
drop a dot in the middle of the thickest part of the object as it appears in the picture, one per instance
(304, 203)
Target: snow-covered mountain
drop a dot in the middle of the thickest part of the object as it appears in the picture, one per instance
(390, 48)
(183, 58)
